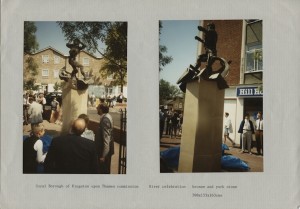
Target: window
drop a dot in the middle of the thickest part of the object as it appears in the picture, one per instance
(86, 61)
(56, 59)
(56, 73)
(45, 73)
(254, 49)
(45, 58)
(254, 59)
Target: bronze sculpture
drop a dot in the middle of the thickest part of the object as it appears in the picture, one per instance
(77, 83)
(210, 57)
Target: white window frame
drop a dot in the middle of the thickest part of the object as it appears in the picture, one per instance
(85, 61)
(55, 73)
(45, 73)
(56, 59)
(45, 58)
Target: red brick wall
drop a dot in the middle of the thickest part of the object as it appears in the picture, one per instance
(229, 45)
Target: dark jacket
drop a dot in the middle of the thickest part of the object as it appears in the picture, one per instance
(29, 155)
(71, 154)
(242, 125)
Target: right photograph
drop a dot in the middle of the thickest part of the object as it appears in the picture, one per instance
(211, 96)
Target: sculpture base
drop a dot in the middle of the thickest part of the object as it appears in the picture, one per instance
(201, 142)
(74, 103)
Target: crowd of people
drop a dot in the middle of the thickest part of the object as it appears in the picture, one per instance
(170, 122)
(34, 110)
(80, 151)
(110, 100)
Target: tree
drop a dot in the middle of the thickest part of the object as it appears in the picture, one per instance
(30, 42)
(167, 91)
(30, 69)
(57, 86)
(112, 34)
(116, 42)
(163, 59)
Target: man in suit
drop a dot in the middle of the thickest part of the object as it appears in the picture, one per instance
(105, 140)
(72, 153)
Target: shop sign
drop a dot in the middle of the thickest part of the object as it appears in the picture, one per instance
(249, 92)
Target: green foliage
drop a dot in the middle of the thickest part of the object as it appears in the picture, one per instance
(57, 86)
(167, 91)
(112, 34)
(30, 72)
(163, 58)
(30, 42)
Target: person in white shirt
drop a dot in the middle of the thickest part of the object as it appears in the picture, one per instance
(89, 134)
(35, 112)
(227, 129)
(33, 150)
(259, 126)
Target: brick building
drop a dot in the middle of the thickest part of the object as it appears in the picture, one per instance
(50, 61)
(241, 42)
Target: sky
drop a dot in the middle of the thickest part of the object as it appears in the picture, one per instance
(50, 34)
(178, 37)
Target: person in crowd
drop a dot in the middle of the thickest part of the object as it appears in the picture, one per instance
(89, 134)
(71, 153)
(105, 140)
(25, 108)
(108, 100)
(161, 121)
(54, 110)
(114, 101)
(174, 124)
(169, 122)
(227, 129)
(35, 112)
(33, 150)
(180, 124)
(92, 99)
(247, 129)
(41, 99)
(120, 98)
(259, 127)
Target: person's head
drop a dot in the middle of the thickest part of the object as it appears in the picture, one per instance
(30, 100)
(38, 130)
(85, 118)
(259, 115)
(102, 109)
(78, 126)
(41, 95)
(54, 99)
(226, 114)
(247, 116)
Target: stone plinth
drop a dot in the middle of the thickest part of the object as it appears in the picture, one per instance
(74, 103)
(201, 140)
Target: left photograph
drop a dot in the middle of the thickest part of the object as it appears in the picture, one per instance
(74, 97)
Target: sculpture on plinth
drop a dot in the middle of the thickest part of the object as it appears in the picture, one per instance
(210, 57)
(77, 83)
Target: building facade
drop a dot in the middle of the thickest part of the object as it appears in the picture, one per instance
(50, 61)
(241, 42)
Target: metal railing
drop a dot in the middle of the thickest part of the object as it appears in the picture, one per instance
(122, 145)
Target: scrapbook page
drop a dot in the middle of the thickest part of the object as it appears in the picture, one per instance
(149, 104)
